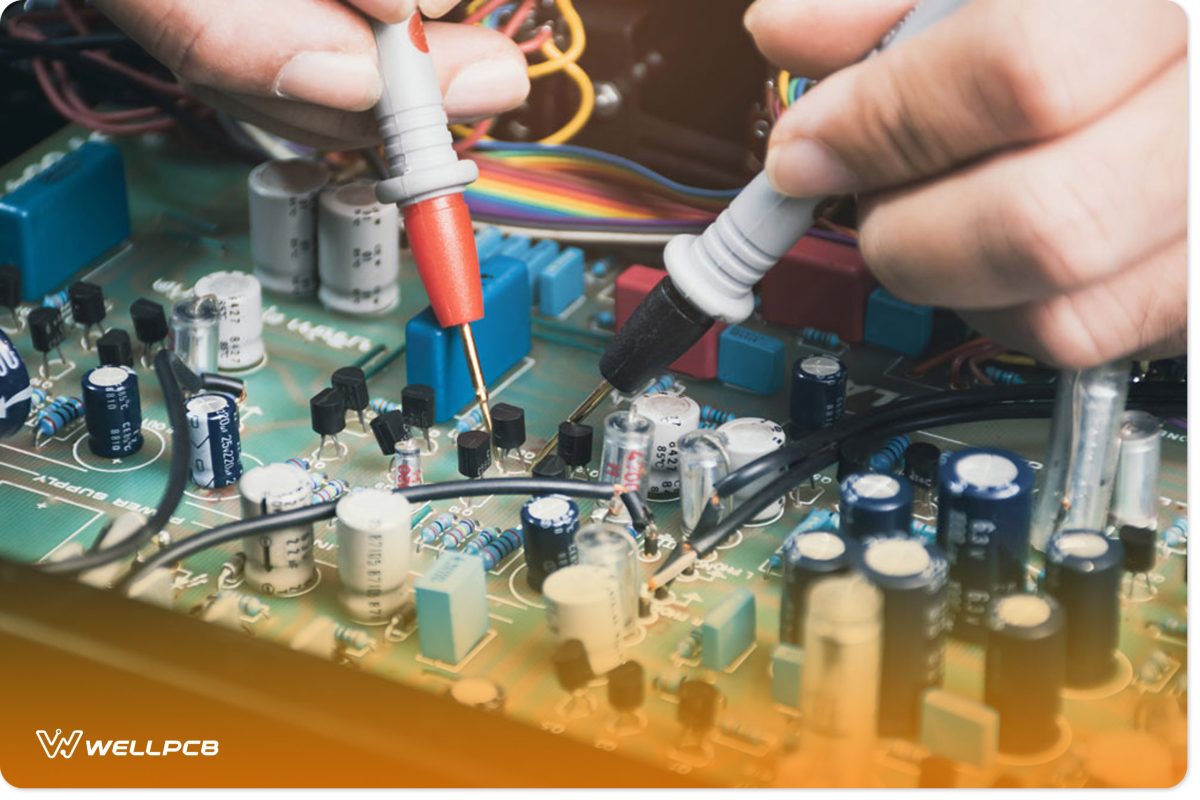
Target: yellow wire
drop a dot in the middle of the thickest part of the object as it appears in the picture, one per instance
(587, 97)
(559, 62)
(782, 85)
(1015, 359)
(475, 5)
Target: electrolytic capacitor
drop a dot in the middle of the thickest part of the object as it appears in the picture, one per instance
(240, 329)
(474, 453)
(750, 438)
(375, 546)
(113, 349)
(818, 392)
(985, 497)
(149, 323)
(703, 461)
(112, 411)
(673, 417)
(874, 504)
(549, 524)
(216, 458)
(575, 444)
(1083, 573)
(843, 643)
(194, 334)
(280, 562)
(808, 557)
(624, 459)
(16, 392)
(1024, 670)
(611, 548)
(283, 223)
(358, 246)
(912, 577)
(1135, 489)
(407, 470)
(582, 604)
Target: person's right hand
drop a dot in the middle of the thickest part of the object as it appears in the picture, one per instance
(307, 69)
(1022, 161)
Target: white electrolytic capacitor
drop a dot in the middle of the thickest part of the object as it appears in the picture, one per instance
(749, 438)
(583, 602)
(1135, 490)
(239, 295)
(612, 548)
(703, 460)
(374, 539)
(673, 416)
(280, 562)
(195, 337)
(283, 223)
(358, 248)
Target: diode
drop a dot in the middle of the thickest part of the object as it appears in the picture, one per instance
(417, 404)
(46, 331)
(353, 384)
(149, 324)
(474, 453)
(328, 411)
(114, 349)
(87, 307)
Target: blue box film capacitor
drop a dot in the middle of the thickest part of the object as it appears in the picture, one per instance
(750, 360)
(728, 630)
(65, 217)
(452, 613)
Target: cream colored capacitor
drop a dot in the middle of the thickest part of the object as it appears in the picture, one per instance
(375, 545)
(583, 602)
(749, 438)
(283, 223)
(358, 247)
(240, 330)
(280, 562)
(673, 417)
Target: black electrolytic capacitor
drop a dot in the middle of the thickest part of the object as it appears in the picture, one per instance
(508, 426)
(1024, 669)
(548, 527)
(389, 429)
(87, 303)
(818, 392)
(149, 321)
(808, 557)
(114, 348)
(874, 504)
(1141, 548)
(474, 453)
(921, 464)
(575, 443)
(328, 409)
(1083, 573)
(627, 686)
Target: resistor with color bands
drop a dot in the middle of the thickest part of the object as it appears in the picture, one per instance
(456, 535)
(1003, 376)
(890, 456)
(470, 422)
(664, 383)
(56, 416)
(436, 527)
(820, 338)
(382, 406)
(302, 463)
(1176, 536)
(711, 417)
(501, 548)
(331, 491)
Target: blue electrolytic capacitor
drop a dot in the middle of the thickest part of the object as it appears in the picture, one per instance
(112, 410)
(216, 458)
(807, 558)
(15, 392)
(549, 524)
(818, 392)
(875, 504)
(1083, 573)
(985, 497)
(912, 577)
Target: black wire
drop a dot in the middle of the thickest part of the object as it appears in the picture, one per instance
(177, 479)
(236, 531)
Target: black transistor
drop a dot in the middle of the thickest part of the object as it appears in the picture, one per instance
(115, 349)
(353, 384)
(46, 331)
(389, 430)
(417, 402)
(1141, 553)
(627, 691)
(575, 443)
(573, 670)
(149, 323)
(552, 466)
(87, 307)
(699, 702)
(474, 453)
(328, 409)
(921, 461)
(508, 427)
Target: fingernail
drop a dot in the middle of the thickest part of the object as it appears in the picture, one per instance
(749, 16)
(348, 81)
(806, 168)
(484, 87)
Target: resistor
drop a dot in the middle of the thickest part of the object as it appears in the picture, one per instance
(1176, 536)
(457, 534)
(924, 531)
(61, 301)
(664, 383)
(827, 339)
(605, 319)
(317, 480)
(500, 548)
(1156, 665)
(1005, 376)
(689, 647)
(712, 417)
(38, 397)
(57, 415)
(436, 527)
(470, 422)
(890, 456)
(352, 638)
(302, 463)
(251, 606)
(481, 540)
(331, 491)
(381, 406)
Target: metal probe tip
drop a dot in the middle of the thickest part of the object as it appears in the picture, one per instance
(476, 371)
(580, 413)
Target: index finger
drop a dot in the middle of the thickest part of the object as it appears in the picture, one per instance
(813, 38)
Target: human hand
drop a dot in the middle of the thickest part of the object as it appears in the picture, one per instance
(1023, 161)
(306, 69)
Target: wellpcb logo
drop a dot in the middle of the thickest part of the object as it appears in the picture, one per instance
(59, 745)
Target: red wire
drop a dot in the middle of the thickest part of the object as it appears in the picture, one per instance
(535, 42)
(483, 11)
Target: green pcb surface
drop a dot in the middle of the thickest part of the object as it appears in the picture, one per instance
(190, 218)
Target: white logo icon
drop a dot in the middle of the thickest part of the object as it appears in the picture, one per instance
(59, 745)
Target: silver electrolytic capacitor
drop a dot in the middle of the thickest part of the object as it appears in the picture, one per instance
(375, 545)
(673, 416)
(281, 562)
(194, 334)
(358, 247)
(703, 460)
(283, 223)
(1135, 490)
(626, 454)
(611, 547)
(239, 296)
(406, 464)
(750, 438)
